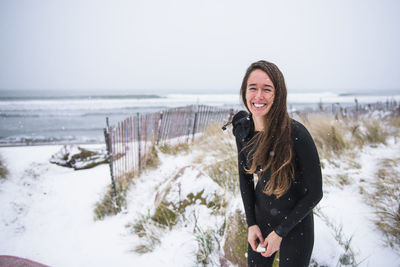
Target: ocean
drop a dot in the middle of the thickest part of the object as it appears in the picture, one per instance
(62, 116)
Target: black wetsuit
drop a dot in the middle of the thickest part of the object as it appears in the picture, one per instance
(291, 215)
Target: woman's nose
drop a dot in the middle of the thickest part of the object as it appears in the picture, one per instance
(259, 93)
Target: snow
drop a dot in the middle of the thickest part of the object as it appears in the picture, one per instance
(325, 247)
(47, 212)
(347, 209)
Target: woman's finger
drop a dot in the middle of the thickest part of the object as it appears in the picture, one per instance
(270, 250)
(265, 242)
(253, 244)
(260, 237)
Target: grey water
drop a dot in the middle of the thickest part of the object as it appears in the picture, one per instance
(30, 117)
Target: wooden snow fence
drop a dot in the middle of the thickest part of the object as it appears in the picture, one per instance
(129, 142)
(357, 109)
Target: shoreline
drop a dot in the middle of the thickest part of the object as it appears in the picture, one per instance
(52, 144)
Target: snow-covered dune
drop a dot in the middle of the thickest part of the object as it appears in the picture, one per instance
(47, 212)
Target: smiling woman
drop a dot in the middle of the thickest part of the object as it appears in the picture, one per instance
(281, 153)
(259, 96)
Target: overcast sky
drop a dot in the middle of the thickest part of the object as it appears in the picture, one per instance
(198, 46)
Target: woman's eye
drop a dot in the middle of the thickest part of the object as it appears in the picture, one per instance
(252, 89)
(267, 90)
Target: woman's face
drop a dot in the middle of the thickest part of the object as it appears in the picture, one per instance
(260, 93)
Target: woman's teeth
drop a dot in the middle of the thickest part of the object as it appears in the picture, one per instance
(259, 105)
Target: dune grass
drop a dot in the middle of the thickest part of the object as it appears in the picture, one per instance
(165, 216)
(169, 213)
(335, 137)
(206, 245)
(235, 246)
(374, 132)
(329, 135)
(110, 204)
(223, 168)
(148, 231)
(3, 169)
(168, 148)
(385, 199)
(152, 160)
(225, 174)
(214, 141)
(348, 257)
(394, 123)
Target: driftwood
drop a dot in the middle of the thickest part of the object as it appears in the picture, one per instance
(79, 158)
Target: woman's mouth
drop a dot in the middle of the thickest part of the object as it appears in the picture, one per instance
(259, 105)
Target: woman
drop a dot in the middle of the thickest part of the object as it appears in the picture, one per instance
(280, 152)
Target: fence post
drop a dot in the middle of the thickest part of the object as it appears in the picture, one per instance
(357, 108)
(110, 162)
(159, 127)
(194, 124)
(231, 113)
(138, 135)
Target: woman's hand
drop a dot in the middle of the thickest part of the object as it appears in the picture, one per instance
(254, 232)
(272, 243)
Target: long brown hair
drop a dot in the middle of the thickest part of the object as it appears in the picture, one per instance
(273, 147)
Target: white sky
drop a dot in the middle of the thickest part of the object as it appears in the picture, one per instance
(198, 46)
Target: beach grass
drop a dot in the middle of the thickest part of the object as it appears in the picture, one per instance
(348, 257)
(215, 141)
(385, 199)
(111, 204)
(328, 134)
(175, 149)
(148, 231)
(394, 122)
(224, 170)
(205, 242)
(225, 174)
(235, 246)
(165, 216)
(339, 140)
(374, 132)
(3, 169)
(152, 159)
